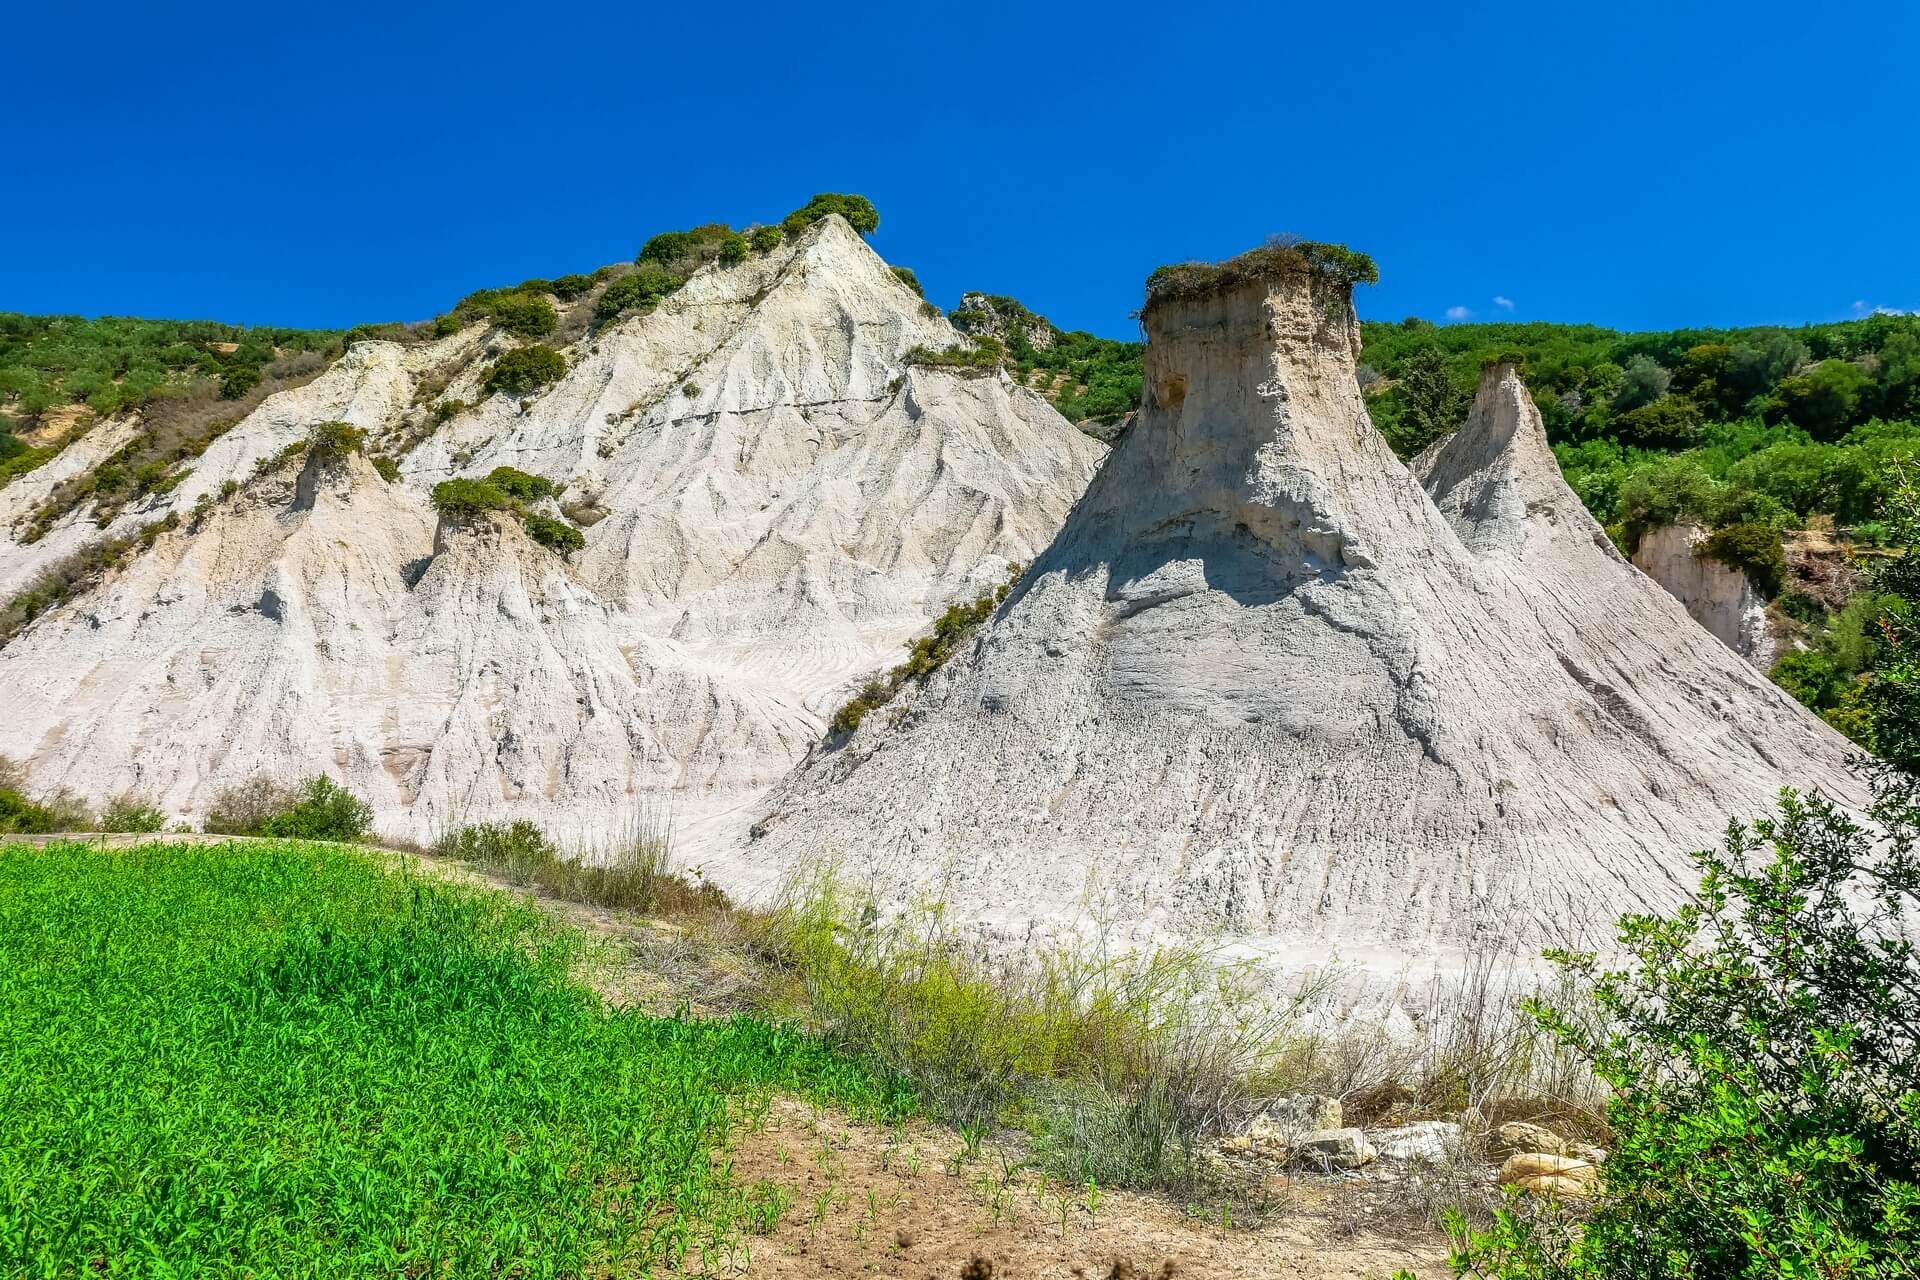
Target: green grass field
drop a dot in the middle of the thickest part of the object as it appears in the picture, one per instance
(288, 1060)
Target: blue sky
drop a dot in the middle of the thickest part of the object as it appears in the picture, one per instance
(1637, 165)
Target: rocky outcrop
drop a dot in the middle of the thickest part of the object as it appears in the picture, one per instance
(1719, 597)
(1268, 684)
(988, 315)
(781, 504)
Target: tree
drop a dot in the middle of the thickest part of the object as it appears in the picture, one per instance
(1893, 693)
(1826, 399)
(1643, 381)
(1759, 363)
(1432, 405)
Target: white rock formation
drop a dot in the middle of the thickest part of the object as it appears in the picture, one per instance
(1264, 687)
(1718, 596)
(786, 503)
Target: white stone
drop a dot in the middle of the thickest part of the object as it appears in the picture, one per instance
(1423, 1142)
(773, 538)
(1266, 689)
(1331, 1149)
(1719, 597)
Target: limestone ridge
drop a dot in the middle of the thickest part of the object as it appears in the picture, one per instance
(781, 502)
(1264, 683)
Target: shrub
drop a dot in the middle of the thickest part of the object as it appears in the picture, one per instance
(1802, 607)
(324, 811)
(639, 288)
(127, 812)
(951, 629)
(1892, 696)
(857, 210)
(389, 469)
(1432, 405)
(874, 694)
(668, 246)
(1669, 423)
(1643, 381)
(1341, 267)
(569, 287)
(1765, 1056)
(733, 249)
(462, 498)
(21, 463)
(238, 381)
(244, 808)
(556, 534)
(1754, 549)
(984, 353)
(527, 369)
(21, 816)
(525, 315)
(521, 486)
(333, 441)
(765, 239)
(906, 277)
(447, 410)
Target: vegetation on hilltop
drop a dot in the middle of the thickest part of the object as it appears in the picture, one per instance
(115, 362)
(668, 260)
(1335, 264)
(192, 379)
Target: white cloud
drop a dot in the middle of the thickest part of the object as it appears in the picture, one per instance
(1459, 313)
(1863, 308)
(1503, 302)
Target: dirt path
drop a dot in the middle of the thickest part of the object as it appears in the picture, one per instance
(869, 1201)
(913, 1203)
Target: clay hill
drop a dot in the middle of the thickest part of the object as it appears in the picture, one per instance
(772, 499)
(1268, 684)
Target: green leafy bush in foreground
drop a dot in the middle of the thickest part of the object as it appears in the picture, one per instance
(985, 352)
(1763, 1043)
(21, 816)
(332, 441)
(521, 485)
(279, 1059)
